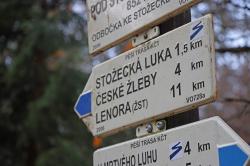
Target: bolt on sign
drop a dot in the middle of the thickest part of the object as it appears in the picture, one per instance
(167, 75)
(113, 21)
(209, 142)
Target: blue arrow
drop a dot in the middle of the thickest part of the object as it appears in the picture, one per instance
(232, 155)
(83, 104)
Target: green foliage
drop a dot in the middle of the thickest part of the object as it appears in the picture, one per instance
(65, 154)
(40, 81)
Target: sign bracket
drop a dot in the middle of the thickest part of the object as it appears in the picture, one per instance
(151, 128)
(146, 36)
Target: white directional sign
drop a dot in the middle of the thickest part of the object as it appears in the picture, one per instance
(208, 142)
(112, 21)
(165, 76)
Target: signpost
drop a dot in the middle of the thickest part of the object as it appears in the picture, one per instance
(207, 142)
(113, 21)
(165, 76)
(168, 75)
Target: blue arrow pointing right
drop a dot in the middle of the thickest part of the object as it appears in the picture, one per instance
(232, 155)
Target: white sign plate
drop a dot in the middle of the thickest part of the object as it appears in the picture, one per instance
(209, 142)
(167, 75)
(113, 21)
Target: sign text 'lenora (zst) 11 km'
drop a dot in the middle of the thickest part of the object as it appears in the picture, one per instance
(113, 21)
(167, 75)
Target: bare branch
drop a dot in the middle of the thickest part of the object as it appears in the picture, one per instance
(233, 49)
(241, 100)
(245, 7)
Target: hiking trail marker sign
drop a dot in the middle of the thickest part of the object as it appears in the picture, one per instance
(113, 21)
(167, 75)
(209, 142)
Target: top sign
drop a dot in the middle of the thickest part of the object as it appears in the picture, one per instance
(167, 75)
(113, 21)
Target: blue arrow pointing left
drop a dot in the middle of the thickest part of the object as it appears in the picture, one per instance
(232, 155)
(83, 104)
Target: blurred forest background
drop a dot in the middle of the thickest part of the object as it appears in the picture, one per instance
(44, 65)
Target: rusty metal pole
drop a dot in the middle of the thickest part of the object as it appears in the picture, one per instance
(192, 115)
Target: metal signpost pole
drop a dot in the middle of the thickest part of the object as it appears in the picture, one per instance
(189, 116)
(192, 115)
